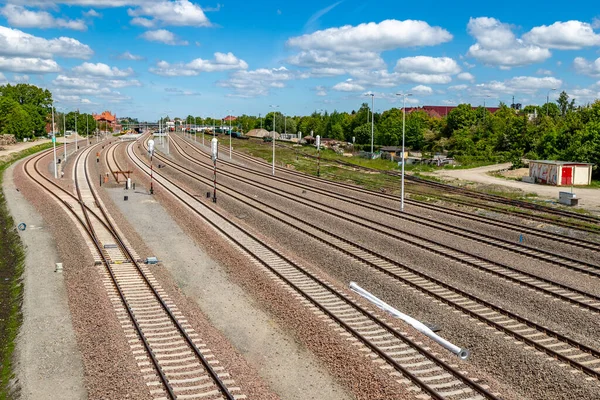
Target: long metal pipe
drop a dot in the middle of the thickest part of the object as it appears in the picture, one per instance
(463, 354)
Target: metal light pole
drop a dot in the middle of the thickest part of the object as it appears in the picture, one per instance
(285, 124)
(548, 100)
(372, 119)
(404, 96)
(230, 117)
(87, 129)
(76, 133)
(259, 117)
(274, 116)
(65, 135)
(54, 144)
(485, 109)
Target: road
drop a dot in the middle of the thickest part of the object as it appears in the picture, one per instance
(588, 198)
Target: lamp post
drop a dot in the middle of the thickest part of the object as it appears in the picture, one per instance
(230, 118)
(485, 109)
(54, 143)
(87, 129)
(404, 96)
(65, 135)
(76, 133)
(548, 100)
(372, 119)
(274, 116)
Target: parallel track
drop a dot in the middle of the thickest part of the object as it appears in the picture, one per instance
(164, 344)
(415, 364)
(534, 231)
(553, 343)
(471, 193)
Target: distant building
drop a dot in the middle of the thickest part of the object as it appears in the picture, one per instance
(442, 111)
(109, 119)
(560, 173)
(230, 118)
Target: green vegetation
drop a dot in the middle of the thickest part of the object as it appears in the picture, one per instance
(472, 136)
(12, 261)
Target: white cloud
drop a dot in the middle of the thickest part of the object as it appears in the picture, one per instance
(330, 63)
(14, 42)
(145, 22)
(427, 70)
(92, 14)
(586, 95)
(28, 65)
(172, 13)
(428, 65)
(570, 35)
(386, 35)
(421, 89)
(519, 84)
(321, 91)
(221, 62)
(596, 23)
(102, 70)
(583, 66)
(424, 78)
(497, 45)
(466, 76)
(348, 86)
(3, 79)
(258, 82)
(181, 92)
(21, 78)
(458, 87)
(23, 18)
(130, 57)
(163, 36)
(543, 72)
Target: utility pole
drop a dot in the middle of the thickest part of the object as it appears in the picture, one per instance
(76, 132)
(372, 119)
(274, 116)
(65, 136)
(404, 96)
(54, 144)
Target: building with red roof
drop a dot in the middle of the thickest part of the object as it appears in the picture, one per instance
(442, 111)
(229, 118)
(108, 118)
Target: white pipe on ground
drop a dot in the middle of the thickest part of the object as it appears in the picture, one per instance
(463, 354)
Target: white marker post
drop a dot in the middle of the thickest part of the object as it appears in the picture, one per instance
(214, 144)
(463, 354)
(318, 155)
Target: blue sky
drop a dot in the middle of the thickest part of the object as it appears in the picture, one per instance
(144, 58)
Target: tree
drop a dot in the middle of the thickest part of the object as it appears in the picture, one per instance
(563, 103)
(34, 101)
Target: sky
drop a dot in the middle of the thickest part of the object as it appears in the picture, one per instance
(150, 58)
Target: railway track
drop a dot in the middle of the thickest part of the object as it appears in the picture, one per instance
(408, 362)
(553, 343)
(547, 287)
(587, 268)
(470, 193)
(172, 358)
(529, 231)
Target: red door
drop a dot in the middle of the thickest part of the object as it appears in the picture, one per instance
(567, 176)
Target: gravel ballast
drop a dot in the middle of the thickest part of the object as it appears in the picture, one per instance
(509, 360)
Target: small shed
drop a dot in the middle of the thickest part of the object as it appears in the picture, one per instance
(560, 173)
(394, 151)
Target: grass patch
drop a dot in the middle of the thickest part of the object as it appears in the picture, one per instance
(12, 263)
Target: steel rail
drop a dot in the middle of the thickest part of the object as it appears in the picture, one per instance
(423, 385)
